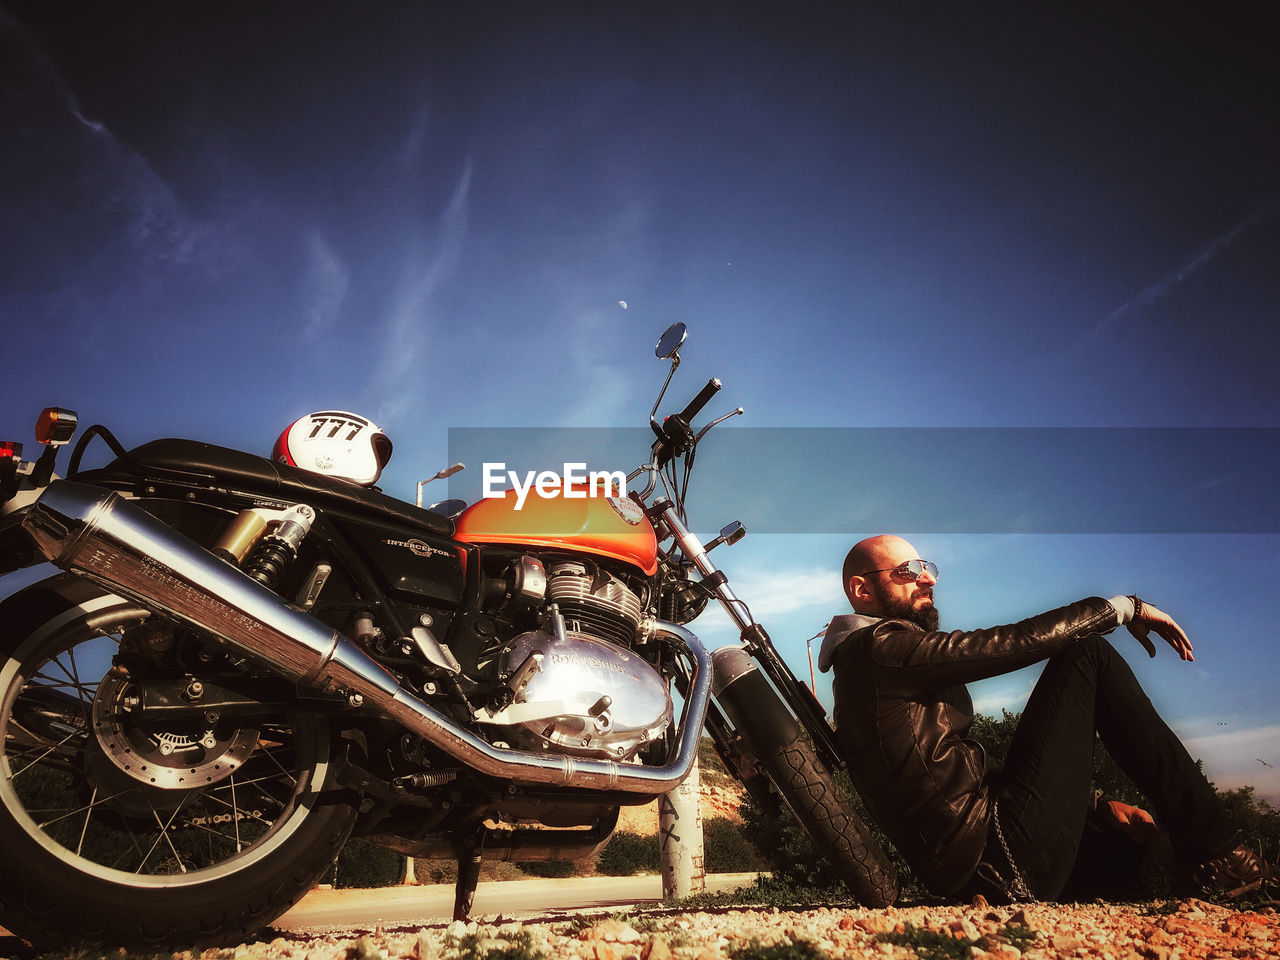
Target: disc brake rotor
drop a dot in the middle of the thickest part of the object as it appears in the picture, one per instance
(163, 754)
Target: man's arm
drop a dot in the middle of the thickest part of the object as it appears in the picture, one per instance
(964, 656)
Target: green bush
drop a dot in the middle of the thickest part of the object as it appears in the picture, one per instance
(800, 950)
(628, 853)
(550, 868)
(726, 848)
(361, 864)
(446, 871)
(711, 769)
(795, 862)
(519, 946)
(929, 944)
(788, 853)
(1256, 819)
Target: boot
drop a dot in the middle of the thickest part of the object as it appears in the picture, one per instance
(1230, 874)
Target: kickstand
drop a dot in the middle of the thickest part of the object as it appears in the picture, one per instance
(464, 891)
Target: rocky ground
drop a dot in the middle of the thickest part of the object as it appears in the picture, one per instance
(1185, 930)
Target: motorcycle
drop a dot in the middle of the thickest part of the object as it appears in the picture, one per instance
(244, 663)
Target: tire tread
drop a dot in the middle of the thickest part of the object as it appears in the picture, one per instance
(837, 829)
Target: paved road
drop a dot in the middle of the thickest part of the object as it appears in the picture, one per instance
(326, 910)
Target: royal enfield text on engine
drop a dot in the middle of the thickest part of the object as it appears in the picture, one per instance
(575, 482)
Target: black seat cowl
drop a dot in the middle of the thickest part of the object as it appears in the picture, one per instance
(207, 464)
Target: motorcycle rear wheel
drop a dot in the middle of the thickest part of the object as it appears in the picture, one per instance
(100, 855)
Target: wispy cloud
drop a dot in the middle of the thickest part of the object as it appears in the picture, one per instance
(773, 593)
(324, 287)
(409, 320)
(156, 224)
(410, 155)
(117, 193)
(1196, 262)
(590, 295)
(793, 603)
(93, 125)
(1011, 697)
(1262, 742)
(605, 383)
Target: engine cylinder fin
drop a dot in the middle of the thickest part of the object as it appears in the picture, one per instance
(599, 623)
(601, 603)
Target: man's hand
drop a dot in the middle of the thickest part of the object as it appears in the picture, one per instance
(1150, 618)
(1134, 822)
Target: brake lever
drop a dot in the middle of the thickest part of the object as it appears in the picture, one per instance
(703, 432)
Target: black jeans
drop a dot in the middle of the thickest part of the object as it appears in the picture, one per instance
(1043, 795)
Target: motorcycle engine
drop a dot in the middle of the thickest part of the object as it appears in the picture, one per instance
(583, 694)
(596, 601)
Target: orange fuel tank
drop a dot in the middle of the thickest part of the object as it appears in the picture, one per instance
(613, 527)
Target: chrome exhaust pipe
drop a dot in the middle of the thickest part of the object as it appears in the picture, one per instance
(102, 537)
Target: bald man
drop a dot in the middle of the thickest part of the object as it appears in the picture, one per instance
(902, 716)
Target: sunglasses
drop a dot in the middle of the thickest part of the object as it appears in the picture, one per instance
(911, 570)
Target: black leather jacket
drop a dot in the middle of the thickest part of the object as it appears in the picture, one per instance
(902, 715)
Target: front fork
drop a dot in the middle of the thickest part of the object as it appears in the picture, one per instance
(755, 643)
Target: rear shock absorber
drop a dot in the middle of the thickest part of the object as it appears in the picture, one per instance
(278, 548)
(263, 543)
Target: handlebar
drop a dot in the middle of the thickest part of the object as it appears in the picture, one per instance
(675, 435)
(697, 403)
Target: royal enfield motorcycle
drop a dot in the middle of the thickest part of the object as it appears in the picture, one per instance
(243, 663)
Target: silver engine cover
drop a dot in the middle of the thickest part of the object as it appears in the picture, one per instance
(586, 698)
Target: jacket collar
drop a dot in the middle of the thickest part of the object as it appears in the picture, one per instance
(838, 630)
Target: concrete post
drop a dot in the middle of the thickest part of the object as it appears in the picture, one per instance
(680, 837)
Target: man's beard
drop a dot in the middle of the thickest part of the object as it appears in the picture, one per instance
(926, 618)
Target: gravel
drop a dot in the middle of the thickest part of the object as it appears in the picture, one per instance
(1178, 930)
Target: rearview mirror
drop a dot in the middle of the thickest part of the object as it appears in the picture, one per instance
(669, 344)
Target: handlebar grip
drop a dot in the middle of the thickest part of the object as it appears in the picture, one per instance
(700, 401)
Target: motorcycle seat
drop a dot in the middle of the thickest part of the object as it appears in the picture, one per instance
(205, 464)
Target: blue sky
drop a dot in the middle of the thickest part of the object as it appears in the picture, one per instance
(219, 218)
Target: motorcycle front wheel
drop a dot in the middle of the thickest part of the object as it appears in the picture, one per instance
(144, 835)
(830, 820)
(772, 737)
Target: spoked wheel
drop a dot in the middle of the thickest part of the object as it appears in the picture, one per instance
(163, 831)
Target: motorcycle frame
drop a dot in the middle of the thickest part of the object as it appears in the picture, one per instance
(166, 489)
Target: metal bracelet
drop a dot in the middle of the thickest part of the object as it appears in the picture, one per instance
(1137, 607)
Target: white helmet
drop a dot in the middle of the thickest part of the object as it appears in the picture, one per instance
(335, 443)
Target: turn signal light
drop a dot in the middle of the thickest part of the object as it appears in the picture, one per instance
(55, 426)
